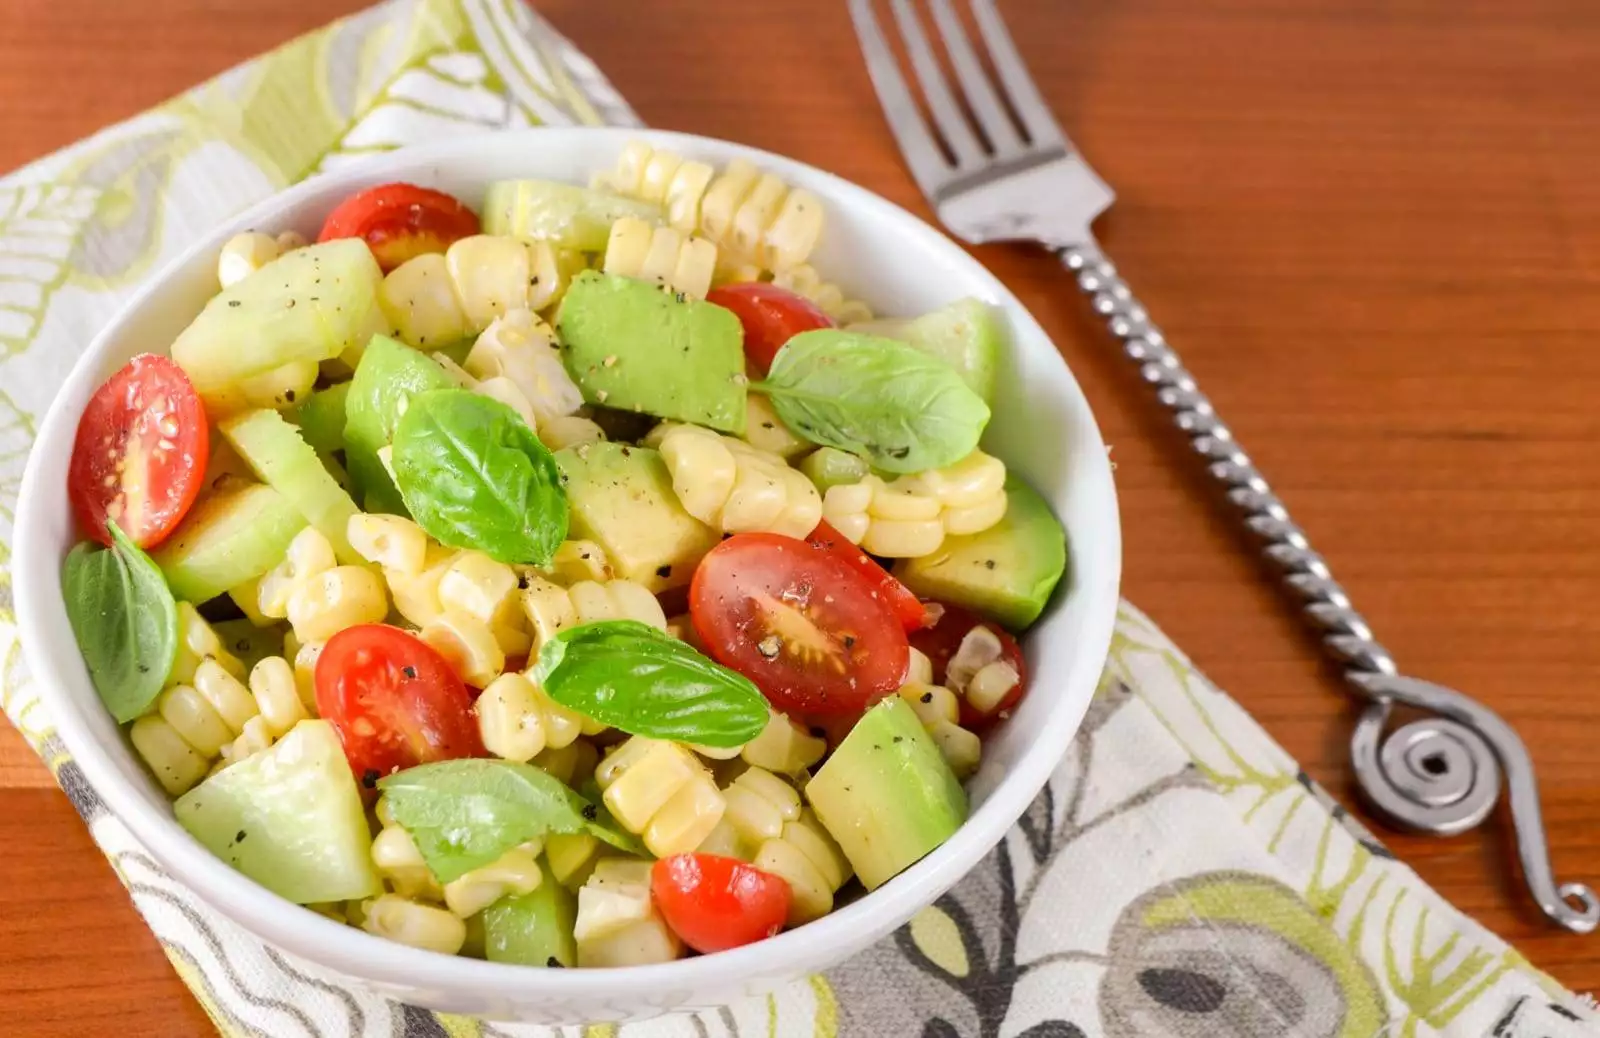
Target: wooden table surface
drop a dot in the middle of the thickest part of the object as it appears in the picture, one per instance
(1374, 232)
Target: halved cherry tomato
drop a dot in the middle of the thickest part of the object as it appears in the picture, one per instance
(913, 615)
(771, 317)
(400, 222)
(140, 455)
(805, 627)
(716, 903)
(394, 701)
(941, 641)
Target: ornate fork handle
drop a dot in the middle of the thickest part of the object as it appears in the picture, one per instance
(1440, 774)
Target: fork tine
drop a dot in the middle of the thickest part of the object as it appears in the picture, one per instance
(927, 162)
(1025, 100)
(947, 115)
(991, 115)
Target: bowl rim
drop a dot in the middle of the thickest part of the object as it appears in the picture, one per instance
(363, 956)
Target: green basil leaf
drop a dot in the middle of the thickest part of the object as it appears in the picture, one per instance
(463, 814)
(125, 620)
(473, 475)
(894, 405)
(632, 676)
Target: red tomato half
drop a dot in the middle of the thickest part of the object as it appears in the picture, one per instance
(771, 317)
(941, 641)
(912, 614)
(805, 627)
(394, 701)
(400, 222)
(140, 455)
(716, 903)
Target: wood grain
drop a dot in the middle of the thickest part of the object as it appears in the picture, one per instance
(1372, 229)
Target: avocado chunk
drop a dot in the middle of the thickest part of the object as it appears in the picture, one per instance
(567, 216)
(621, 497)
(1007, 572)
(886, 795)
(533, 929)
(290, 818)
(389, 372)
(968, 335)
(631, 346)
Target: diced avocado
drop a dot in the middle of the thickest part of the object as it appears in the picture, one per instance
(1007, 572)
(968, 335)
(533, 929)
(290, 818)
(284, 461)
(310, 304)
(321, 418)
(622, 498)
(831, 467)
(389, 373)
(232, 535)
(631, 346)
(247, 642)
(565, 215)
(886, 795)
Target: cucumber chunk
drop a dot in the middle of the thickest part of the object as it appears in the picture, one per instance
(290, 818)
(310, 304)
(320, 417)
(232, 535)
(278, 454)
(533, 929)
(565, 215)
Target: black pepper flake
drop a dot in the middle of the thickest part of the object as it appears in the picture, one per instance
(927, 697)
(768, 425)
(726, 535)
(233, 302)
(288, 395)
(243, 645)
(554, 963)
(627, 452)
(369, 779)
(899, 738)
(144, 668)
(663, 572)
(988, 564)
(849, 641)
(239, 836)
(818, 732)
(409, 671)
(590, 812)
(522, 581)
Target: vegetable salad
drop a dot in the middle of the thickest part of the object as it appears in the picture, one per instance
(573, 580)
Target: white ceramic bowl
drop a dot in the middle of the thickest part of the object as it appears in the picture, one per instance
(1042, 428)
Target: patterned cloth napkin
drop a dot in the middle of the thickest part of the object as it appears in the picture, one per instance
(1180, 876)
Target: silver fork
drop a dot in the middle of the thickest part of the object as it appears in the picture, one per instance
(994, 178)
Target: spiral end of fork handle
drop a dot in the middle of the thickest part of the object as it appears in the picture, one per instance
(1442, 774)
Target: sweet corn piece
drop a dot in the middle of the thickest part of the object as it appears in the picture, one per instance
(509, 719)
(919, 670)
(931, 703)
(507, 392)
(783, 747)
(467, 645)
(419, 300)
(812, 897)
(243, 255)
(477, 585)
(990, 686)
(569, 431)
(309, 554)
(903, 539)
(416, 596)
(572, 857)
(344, 596)
(254, 738)
(686, 818)
(281, 386)
(401, 865)
(765, 431)
(224, 692)
(277, 697)
(518, 348)
(491, 276)
(809, 835)
(414, 924)
(575, 561)
(616, 895)
(640, 777)
(573, 763)
(960, 521)
(195, 720)
(198, 642)
(641, 944)
(393, 542)
(173, 762)
(514, 873)
(247, 597)
(758, 805)
(961, 749)
(305, 658)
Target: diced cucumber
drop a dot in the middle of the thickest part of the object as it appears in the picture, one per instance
(284, 461)
(533, 929)
(320, 417)
(232, 535)
(290, 818)
(390, 372)
(830, 467)
(310, 304)
(886, 795)
(565, 215)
